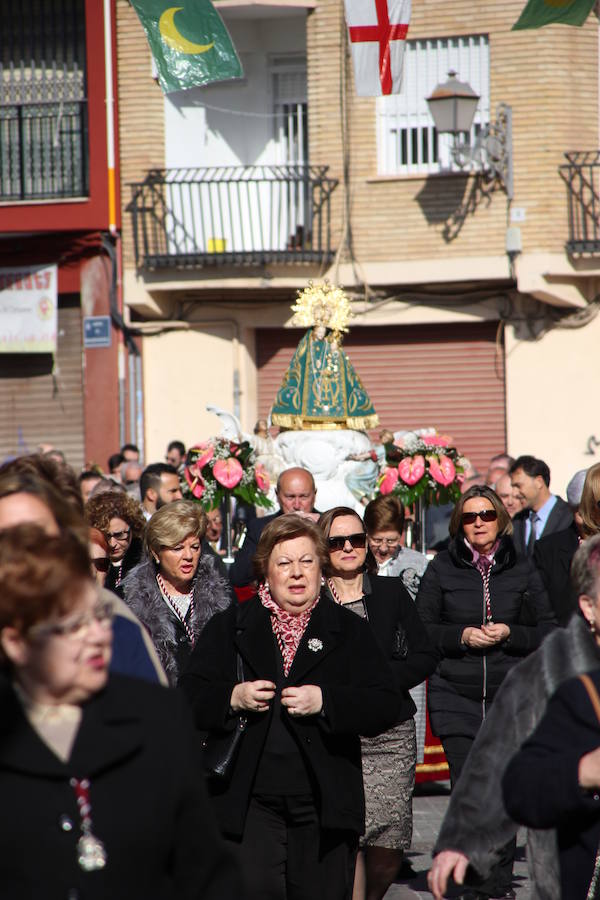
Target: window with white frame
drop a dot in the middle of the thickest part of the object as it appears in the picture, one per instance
(407, 141)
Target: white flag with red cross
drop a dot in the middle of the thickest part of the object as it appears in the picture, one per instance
(377, 31)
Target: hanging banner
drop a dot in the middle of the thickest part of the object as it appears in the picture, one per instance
(190, 43)
(377, 32)
(28, 309)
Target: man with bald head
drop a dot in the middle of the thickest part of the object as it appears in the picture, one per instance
(296, 493)
(508, 495)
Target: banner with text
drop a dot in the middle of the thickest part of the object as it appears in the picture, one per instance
(28, 309)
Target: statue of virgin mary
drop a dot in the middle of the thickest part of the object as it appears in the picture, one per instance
(321, 389)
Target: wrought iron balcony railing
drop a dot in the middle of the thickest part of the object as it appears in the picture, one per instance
(43, 150)
(582, 176)
(245, 215)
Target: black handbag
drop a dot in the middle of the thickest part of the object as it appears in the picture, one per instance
(220, 750)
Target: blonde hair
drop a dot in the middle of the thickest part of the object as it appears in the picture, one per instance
(172, 523)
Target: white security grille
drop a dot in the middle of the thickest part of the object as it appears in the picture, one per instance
(407, 141)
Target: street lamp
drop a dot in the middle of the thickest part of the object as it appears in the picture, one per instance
(452, 106)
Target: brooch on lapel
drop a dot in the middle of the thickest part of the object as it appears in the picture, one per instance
(315, 645)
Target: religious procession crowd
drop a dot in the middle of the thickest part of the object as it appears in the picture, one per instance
(179, 725)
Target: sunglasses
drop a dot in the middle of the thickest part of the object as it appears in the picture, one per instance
(357, 541)
(486, 515)
(101, 563)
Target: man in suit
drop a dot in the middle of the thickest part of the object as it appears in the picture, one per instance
(296, 493)
(543, 513)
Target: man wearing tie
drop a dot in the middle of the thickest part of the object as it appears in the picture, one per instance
(543, 513)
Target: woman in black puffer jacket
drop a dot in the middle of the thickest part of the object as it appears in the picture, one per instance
(485, 609)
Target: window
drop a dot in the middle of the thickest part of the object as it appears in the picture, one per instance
(43, 107)
(291, 109)
(407, 142)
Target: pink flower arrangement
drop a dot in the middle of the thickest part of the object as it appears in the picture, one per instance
(389, 481)
(423, 465)
(228, 472)
(411, 469)
(220, 468)
(261, 476)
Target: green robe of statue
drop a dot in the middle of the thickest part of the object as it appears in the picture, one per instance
(321, 390)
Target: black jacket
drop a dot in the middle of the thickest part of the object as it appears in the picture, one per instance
(541, 786)
(358, 698)
(553, 556)
(391, 612)
(476, 822)
(560, 518)
(450, 599)
(241, 572)
(130, 560)
(137, 745)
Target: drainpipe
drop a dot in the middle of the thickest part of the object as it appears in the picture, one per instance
(110, 118)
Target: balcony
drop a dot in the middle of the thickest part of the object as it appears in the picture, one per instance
(242, 215)
(582, 177)
(43, 151)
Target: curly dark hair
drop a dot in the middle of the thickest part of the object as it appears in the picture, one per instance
(101, 509)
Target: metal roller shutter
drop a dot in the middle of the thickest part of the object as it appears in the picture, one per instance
(447, 376)
(39, 405)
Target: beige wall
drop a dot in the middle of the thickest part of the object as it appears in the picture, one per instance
(141, 112)
(537, 72)
(183, 371)
(552, 386)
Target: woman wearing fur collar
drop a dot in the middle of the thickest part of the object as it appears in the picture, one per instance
(175, 590)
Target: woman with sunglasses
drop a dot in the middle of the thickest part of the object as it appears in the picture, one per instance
(120, 520)
(485, 609)
(388, 760)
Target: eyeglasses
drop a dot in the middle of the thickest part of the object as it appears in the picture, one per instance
(389, 542)
(76, 629)
(118, 535)
(486, 515)
(357, 541)
(101, 563)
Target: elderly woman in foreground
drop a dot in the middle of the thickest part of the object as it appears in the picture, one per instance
(313, 680)
(80, 749)
(176, 589)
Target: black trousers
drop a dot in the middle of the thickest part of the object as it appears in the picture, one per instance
(499, 881)
(285, 855)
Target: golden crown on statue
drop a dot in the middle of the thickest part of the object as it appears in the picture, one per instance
(322, 304)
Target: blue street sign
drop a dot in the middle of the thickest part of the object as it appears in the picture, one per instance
(96, 331)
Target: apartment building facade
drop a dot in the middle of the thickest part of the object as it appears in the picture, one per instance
(475, 301)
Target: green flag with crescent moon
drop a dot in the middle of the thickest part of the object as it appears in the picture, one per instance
(548, 12)
(190, 44)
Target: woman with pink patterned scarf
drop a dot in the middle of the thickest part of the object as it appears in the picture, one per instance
(314, 679)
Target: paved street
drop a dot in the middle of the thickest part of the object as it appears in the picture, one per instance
(429, 807)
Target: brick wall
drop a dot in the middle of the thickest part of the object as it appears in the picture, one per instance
(550, 78)
(141, 112)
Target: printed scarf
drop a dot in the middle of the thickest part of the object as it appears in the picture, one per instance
(288, 629)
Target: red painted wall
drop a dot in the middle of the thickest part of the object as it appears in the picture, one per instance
(101, 366)
(90, 213)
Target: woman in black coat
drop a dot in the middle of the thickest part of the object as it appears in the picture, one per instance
(554, 782)
(485, 609)
(80, 751)
(314, 679)
(388, 760)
